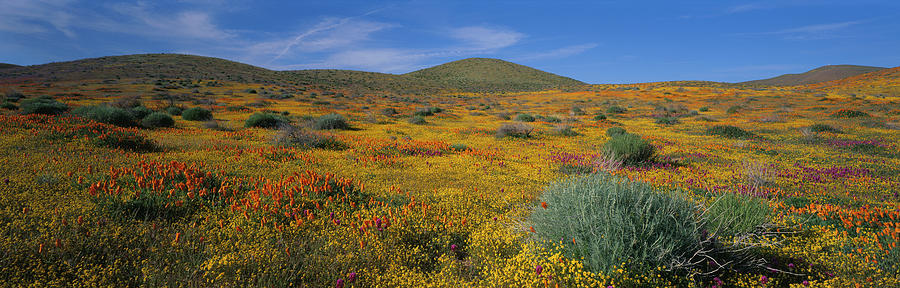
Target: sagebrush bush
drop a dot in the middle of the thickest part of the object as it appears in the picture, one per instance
(733, 214)
(729, 131)
(824, 128)
(733, 109)
(107, 114)
(140, 112)
(458, 147)
(848, 113)
(43, 105)
(291, 136)
(613, 131)
(265, 120)
(616, 110)
(157, 120)
(330, 122)
(609, 221)
(600, 117)
(174, 110)
(417, 120)
(515, 130)
(388, 111)
(9, 105)
(196, 114)
(667, 120)
(524, 118)
(704, 109)
(629, 148)
(564, 130)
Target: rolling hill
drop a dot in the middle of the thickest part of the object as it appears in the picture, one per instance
(884, 82)
(470, 75)
(818, 75)
(6, 65)
(491, 74)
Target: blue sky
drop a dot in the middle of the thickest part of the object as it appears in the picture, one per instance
(592, 41)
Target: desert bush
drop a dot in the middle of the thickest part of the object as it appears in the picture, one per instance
(9, 105)
(388, 111)
(107, 114)
(140, 112)
(196, 114)
(600, 117)
(43, 105)
(667, 120)
(629, 148)
(819, 128)
(174, 111)
(458, 147)
(615, 109)
(291, 136)
(729, 131)
(157, 120)
(523, 117)
(515, 130)
(417, 120)
(564, 130)
(611, 221)
(733, 109)
(13, 95)
(577, 111)
(330, 122)
(265, 120)
(615, 131)
(848, 113)
(704, 109)
(126, 102)
(504, 116)
(732, 214)
(759, 174)
(427, 111)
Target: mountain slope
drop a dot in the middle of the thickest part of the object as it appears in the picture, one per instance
(818, 75)
(492, 75)
(885, 82)
(5, 65)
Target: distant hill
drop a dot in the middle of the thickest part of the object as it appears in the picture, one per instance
(884, 82)
(5, 65)
(818, 75)
(492, 75)
(474, 74)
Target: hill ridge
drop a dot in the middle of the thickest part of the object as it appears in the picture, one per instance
(818, 75)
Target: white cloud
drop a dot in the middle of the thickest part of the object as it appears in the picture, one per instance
(332, 33)
(484, 38)
(744, 8)
(182, 24)
(560, 53)
(32, 16)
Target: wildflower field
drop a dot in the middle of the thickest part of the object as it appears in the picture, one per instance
(292, 184)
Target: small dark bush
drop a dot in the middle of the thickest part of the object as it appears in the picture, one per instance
(140, 112)
(107, 114)
(704, 109)
(600, 117)
(196, 114)
(291, 136)
(458, 147)
(158, 120)
(847, 113)
(615, 131)
(616, 110)
(824, 128)
(424, 111)
(565, 130)
(174, 111)
(265, 120)
(330, 122)
(9, 105)
(43, 105)
(388, 111)
(13, 95)
(524, 118)
(126, 102)
(667, 120)
(629, 148)
(515, 130)
(729, 131)
(418, 120)
(733, 109)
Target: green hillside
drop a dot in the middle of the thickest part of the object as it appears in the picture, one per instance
(818, 75)
(492, 75)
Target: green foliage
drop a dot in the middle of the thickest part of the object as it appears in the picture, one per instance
(729, 131)
(704, 109)
(9, 105)
(417, 120)
(158, 120)
(565, 130)
(459, 147)
(600, 117)
(140, 112)
(733, 109)
(107, 114)
(523, 117)
(291, 136)
(174, 110)
(613, 221)
(330, 122)
(388, 111)
(667, 120)
(483, 74)
(615, 131)
(514, 130)
(615, 109)
(265, 120)
(629, 148)
(847, 113)
(43, 105)
(735, 214)
(196, 114)
(824, 128)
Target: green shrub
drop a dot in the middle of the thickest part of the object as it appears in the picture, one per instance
(196, 114)
(458, 147)
(735, 214)
(330, 122)
(140, 112)
(524, 118)
(515, 130)
(704, 109)
(729, 131)
(615, 109)
(423, 111)
(107, 114)
(614, 131)
(417, 120)
(388, 111)
(667, 120)
(600, 117)
(157, 120)
(565, 130)
(43, 105)
(265, 120)
(9, 105)
(291, 136)
(824, 128)
(847, 113)
(608, 221)
(174, 111)
(733, 109)
(629, 148)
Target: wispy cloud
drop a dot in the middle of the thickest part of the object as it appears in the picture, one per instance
(34, 16)
(486, 38)
(560, 52)
(330, 33)
(809, 32)
(181, 24)
(744, 8)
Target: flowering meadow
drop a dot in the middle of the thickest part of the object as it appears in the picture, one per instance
(334, 188)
